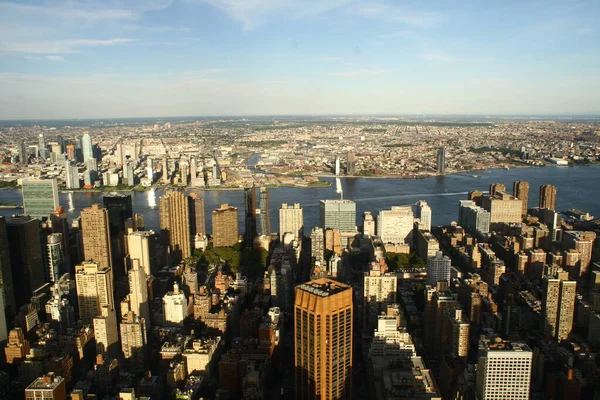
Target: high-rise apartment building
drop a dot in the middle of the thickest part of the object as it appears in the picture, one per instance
(26, 259)
(422, 212)
(175, 225)
(138, 292)
(175, 307)
(47, 387)
(338, 214)
(55, 257)
(291, 220)
(96, 235)
(94, 289)
(142, 247)
(583, 242)
(503, 370)
(548, 197)
(265, 220)
(438, 269)
(86, 147)
(42, 146)
(323, 316)
(17, 347)
(473, 218)
(558, 305)
(503, 208)
(396, 225)
(166, 178)
(496, 187)
(521, 192)
(40, 197)
(441, 160)
(368, 224)
(72, 175)
(456, 338)
(197, 218)
(317, 242)
(106, 332)
(134, 341)
(23, 153)
(379, 291)
(225, 226)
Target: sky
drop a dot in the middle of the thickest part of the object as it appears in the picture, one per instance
(151, 58)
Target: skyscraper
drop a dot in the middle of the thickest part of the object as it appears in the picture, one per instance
(40, 197)
(23, 153)
(265, 220)
(175, 307)
(503, 370)
(225, 226)
(521, 191)
(166, 178)
(548, 197)
(422, 211)
(379, 291)
(175, 225)
(317, 245)
(138, 292)
(438, 268)
(291, 220)
(496, 187)
(47, 387)
(94, 289)
(395, 225)
(6, 279)
(558, 305)
(86, 147)
(42, 146)
(337, 165)
(441, 160)
(368, 224)
(142, 247)
(503, 208)
(249, 214)
(197, 218)
(350, 163)
(106, 332)
(119, 208)
(339, 214)
(96, 235)
(72, 175)
(323, 316)
(26, 260)
(55, 257)
(134, 341)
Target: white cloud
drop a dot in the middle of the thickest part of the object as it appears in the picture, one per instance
(55, 58)
(360, 72)
(57, 46)
(329, 58)
(394, 13)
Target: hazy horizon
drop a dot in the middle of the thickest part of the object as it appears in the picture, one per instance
(134, 59)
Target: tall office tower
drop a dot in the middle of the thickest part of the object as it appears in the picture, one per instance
(47, 387)
(473, 218)
(225, 226)
(23, 153)
(134, 341)
(503, 209)
(193, 172)
(119, 153)
(86, 147)
(183, 172)
(291, 220)
(59, 313)
(338, 214)
(503, 370)
(422, 211)
(96, 236)
(165, 170)
(70, 152)
(55, 257)
(197, 218)
(61, 143)
(548, 197)
(558, 305)
(150, 170)
(175, 225)
(395, 225)
(317, 245)
(350, 163)
(379, 291)
(128, 174)
(175, 307)
(496, 187)
(368, 224)
(265, 220)
(6, 279)
(71, 176)
(323, 317)
(441, 160)
(438, 269)
(106, 332)
(142, 247)
(521, 192)
(249, 214)
(42, 146)
(3, 319)
(583, 242)
(26, 259)
(94, 289)
(120, 209)
(337, 166)
(40, 197)
(138, 292)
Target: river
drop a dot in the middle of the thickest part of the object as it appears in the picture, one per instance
(578, 187)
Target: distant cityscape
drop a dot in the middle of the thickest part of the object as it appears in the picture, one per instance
(501, 304)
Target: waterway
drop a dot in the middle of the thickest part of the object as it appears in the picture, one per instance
(578, 187)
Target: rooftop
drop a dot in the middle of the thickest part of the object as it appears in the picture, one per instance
(323, 287)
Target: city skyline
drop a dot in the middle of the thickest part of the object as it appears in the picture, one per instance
(125, 59)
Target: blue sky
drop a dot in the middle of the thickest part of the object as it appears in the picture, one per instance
(136, 58)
